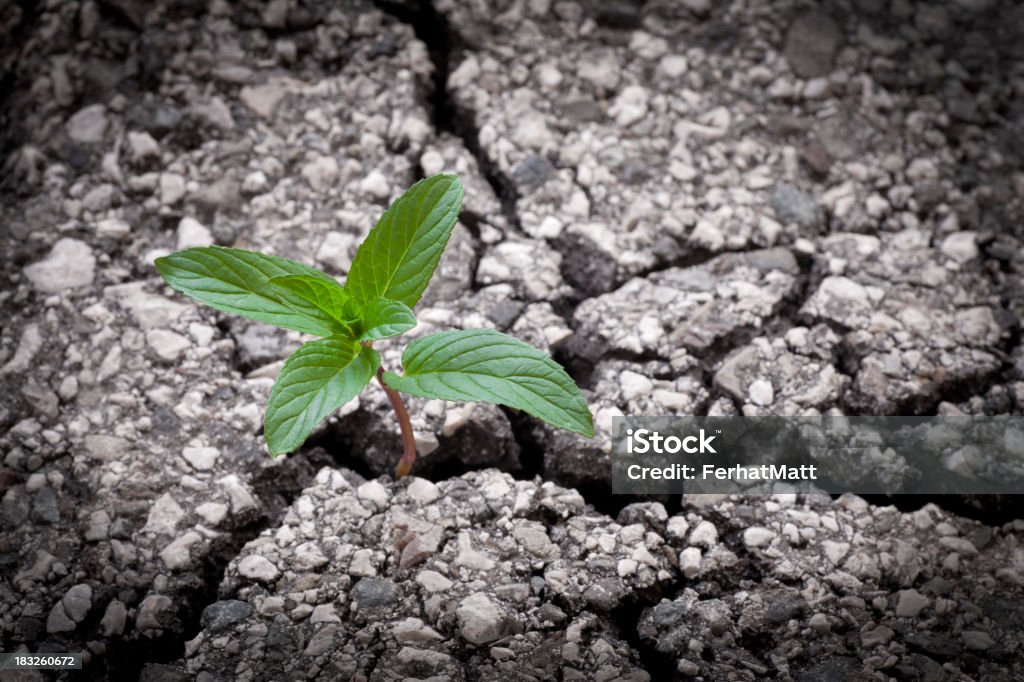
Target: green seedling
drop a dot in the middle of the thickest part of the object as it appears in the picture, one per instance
(389, 274)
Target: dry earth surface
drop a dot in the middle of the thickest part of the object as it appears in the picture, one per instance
(748, 207)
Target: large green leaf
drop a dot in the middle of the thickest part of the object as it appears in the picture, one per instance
(317, 379)
(326, 295)
(238, 281)
(399, 255)
(485, 365)
(384, 318)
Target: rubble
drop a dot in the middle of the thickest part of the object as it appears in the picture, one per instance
(760, 208)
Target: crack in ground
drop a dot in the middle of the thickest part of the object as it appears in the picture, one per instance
(627, 617)
(443, 44)
(954, 391)
(787, 316)
(277, 487)
(472, 223)
(461, 122)
(22, 32)
(962, 391)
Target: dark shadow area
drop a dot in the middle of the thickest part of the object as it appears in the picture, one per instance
(992, 510)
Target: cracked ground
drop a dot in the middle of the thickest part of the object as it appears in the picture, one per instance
(759, 208)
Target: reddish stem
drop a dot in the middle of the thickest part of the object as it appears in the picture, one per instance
(408, 442)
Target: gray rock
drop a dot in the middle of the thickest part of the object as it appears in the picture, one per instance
(44, 402)
(88, 125)
(275, 14)
(819, 623)
(704, 535)
(761, 392)
(374, 593)
(800, 369)
(532, 268)
(141, 146)
(164, 515)
(689, 562)
(172, 188)
(784, 606)
(201, 458)
(792, 205)
(911, 603)
(29, 344)
(99, 198)
(532, 172)
(58, 620)
(213, 113)
(77, 602)
(155, 613)
(223, 615)
(878, 635)
(113, 228)
(14, 507)
(321, 173)
(105, 447)
(114, 619)
(264, 99)
(193, 233)
(654, 314)
(960, 246)
(480, 619)
(167, 345)
(258, 568)
(325, 640)
(977, 640)
(69, 265)
(178, 554)
(45, 506)
(758, 537)
(811, 43)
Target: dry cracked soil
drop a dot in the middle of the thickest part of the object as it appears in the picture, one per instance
(749, 207)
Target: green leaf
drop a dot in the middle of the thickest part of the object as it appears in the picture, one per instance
(398, 257)
(317, 379)
(326, 295)
(485, 365)
(384, 318)
(238, 281)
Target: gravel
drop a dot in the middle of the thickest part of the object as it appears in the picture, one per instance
(759, 209)
(498, 579)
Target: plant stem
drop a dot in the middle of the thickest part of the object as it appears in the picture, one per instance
(408, 442)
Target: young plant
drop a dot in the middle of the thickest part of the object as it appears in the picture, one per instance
(388, 276)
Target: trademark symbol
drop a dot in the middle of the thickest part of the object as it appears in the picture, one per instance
(718, 431)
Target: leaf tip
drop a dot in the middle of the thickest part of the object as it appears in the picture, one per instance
(454, 184)
(276, 445)
(584, 426)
